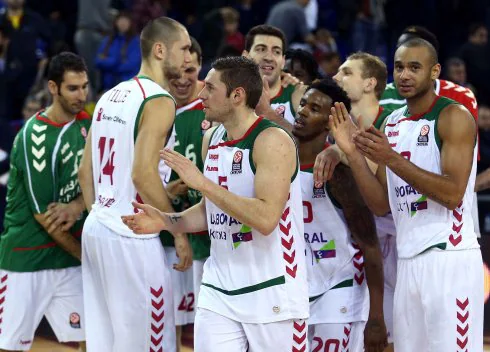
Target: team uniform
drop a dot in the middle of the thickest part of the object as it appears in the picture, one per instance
(339, 299)
(127, 286)
(385, 227)
(254, 289)
(282, 103)
(392, 100)
(37, 277)
(439, 289)
(190, 127)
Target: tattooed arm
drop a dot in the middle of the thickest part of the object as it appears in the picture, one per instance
(361, 224)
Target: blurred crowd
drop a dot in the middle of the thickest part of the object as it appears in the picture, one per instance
(320, 35)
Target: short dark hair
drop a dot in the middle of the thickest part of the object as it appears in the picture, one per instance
(163, 29)
(420, 32)
(419, 42)
(306, 59)
(239, 71)
(264, 29)
(63, 62)
(372, 66)
(329, 87)
(196, 49)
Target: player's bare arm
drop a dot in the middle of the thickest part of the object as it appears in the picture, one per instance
(299, 91)
(151, 220)
(457, 131)
(360, 222)
(85, 177)
(274, 155)
(155, 124)
(372, 187)
(62, 238)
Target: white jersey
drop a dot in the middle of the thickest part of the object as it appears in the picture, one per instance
(249, 277)
(333, 260)
(385, 225)
(114, 131)
(422, 223)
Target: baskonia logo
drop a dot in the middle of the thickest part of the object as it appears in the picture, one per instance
(419, 204)
(245, 235)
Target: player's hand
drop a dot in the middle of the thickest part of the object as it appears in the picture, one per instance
(264, 104)
(374, 145)
(176, 188)
(375, 335)
(187, 171)
(184, 252)
(325, 163)
(342, 128)
(63, 215)
(288, 79)
(149, 220)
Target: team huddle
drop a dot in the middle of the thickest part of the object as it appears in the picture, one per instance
(334, 216)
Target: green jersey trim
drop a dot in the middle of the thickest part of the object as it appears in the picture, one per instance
(441, 246)
(342, 284)
(280, 280)
(140, 111)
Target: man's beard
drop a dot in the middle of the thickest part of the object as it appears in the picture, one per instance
(171, 72)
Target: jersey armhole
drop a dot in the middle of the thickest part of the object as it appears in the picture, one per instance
(140, 111)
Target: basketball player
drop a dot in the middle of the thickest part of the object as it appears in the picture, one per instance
(363, 77)
(335, 216)
(392, 99)
(266, 45)
(254, 290)
(429, 150)
(40, 249)
(188, 131)
(128, 296)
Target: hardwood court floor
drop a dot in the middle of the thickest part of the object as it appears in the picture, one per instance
(43, 345)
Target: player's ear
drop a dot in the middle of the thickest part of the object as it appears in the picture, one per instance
(246, 54)
(435, 71)
(53, 88)
(370, 84)
(159, 50)
(238, 95)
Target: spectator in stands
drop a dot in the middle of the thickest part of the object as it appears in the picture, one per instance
(329, 64)
(94, 22)
(325, 42)
(455, 71)
(365, 32)
(146, 10)
(289, 16)
(302, 65)
(119, 57)
(27, 34)
(31, 106)
(476, 55)
(231, 21)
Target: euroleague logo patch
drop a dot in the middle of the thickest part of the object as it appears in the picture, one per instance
(83, 131)
(236, 166)
(319, 190)
(75, 321)
(423, 138)
(280, 110)
(205, 124)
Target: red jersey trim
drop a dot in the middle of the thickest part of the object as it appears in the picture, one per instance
(39, 117)
(278, 93)
(380, 111)
(306, 166)
(416, 116)
(141, 87)
(236, 141)
(43, 246)
(82, 115)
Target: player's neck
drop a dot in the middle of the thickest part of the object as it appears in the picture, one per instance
(239, 123)
(308, 150)
(154, 73)
(58, 115)
(275, 88)
(420, 104)
(367, 107)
